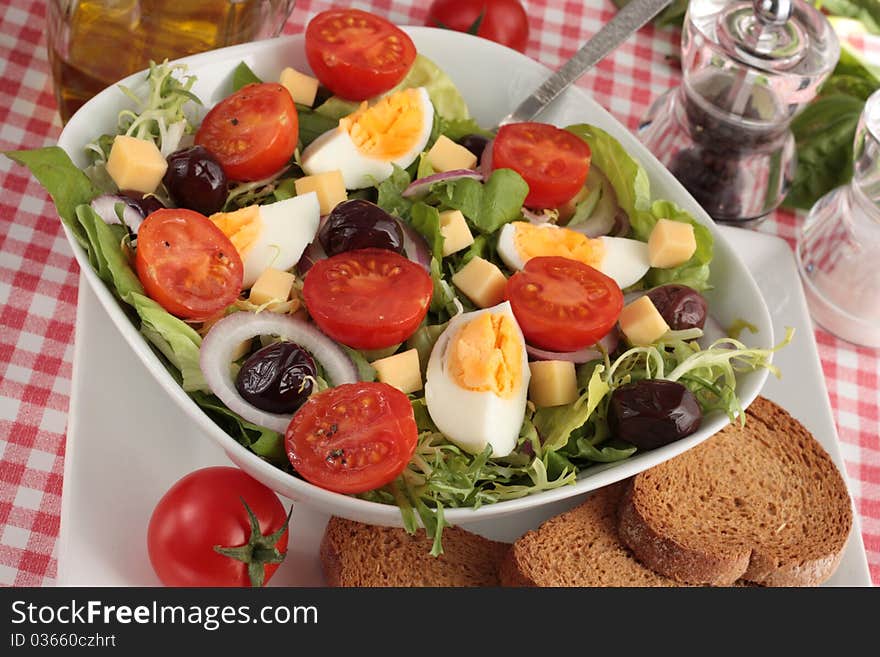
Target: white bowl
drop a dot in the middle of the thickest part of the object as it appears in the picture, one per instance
(493, 79)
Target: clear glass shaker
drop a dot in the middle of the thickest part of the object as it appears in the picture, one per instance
(838, 248)
(748, 67)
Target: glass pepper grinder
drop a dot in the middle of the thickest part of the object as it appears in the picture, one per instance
(748, 67)
(838, 247)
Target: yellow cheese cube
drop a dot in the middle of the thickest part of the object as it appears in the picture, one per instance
(671, 243)
(642, 323)
(303, 88)
(481, 282)
(329, 187)
(455, 231)
(401, 371)
(553, 383)
(136, 164)
(272, 285)
(446, 155)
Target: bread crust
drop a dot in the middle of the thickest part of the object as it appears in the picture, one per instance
(802, 547)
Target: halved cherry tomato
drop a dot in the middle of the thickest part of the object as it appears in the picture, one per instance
(369, 298)
(352, 438)
(357, 55)
(563, 305)
(554, 162)
(186, 264)
(253, 132)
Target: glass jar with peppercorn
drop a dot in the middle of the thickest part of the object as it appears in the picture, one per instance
(749, 67)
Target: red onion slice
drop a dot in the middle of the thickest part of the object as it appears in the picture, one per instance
(422, 185)
(414, 246)
(220, 344)
(105, 207)
(535, 217)
(621, 224)
(608, 343)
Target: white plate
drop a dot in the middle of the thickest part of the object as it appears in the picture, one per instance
(127, 444)
(490, 96)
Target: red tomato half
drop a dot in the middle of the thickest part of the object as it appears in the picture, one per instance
(204, 510)
(253, 133)
(563, 305)
(186, 264)
(352, 438)
(369, 298)
(502, 21)
(552, 161)
(357, 55)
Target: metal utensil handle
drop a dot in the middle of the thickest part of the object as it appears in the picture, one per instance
(629, 19)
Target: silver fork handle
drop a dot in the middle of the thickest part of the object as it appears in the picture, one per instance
(629, 19)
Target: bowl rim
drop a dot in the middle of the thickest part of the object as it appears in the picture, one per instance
(376, 512)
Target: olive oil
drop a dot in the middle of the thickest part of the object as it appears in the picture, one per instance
(94, 43)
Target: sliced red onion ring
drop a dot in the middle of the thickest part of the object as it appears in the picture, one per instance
(486, 159)
(422, 185)
(621, 224)
(535, 217)
(608, 343)
(105, 207)
(414, 246)
(220, 343)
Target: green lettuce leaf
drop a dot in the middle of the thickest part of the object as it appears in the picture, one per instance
(366, 372)
(448, 102)
(629, 179)
(555, 424)
(104, 247)
(264, 442)
(488, 206)
(312, 124)
(695, 272)
(426, 220)
(455, 129)
(243, 76)
(391, 193)
(66, 184)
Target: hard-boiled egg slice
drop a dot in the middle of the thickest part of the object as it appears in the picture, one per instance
(625, 260)
(273, 235)
(478, 379)
(369, 142)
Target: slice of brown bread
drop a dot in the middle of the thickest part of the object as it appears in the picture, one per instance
(356, 554)
(578, 548)
(763, 502)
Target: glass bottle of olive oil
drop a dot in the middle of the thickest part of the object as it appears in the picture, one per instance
(94, 43)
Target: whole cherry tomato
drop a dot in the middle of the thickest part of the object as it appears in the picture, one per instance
(502, 21)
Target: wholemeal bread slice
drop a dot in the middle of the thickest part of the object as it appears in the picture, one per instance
(578, 548)
(356, 554)
(763, 502)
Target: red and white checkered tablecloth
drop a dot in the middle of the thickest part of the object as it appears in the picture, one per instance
(39, 277)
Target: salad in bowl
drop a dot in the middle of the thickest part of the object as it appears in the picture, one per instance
(377, 304)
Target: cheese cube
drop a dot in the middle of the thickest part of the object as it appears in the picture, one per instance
(481, 282)
(553, 383)
(671, 243)
(136, 164)
(446, 155)
(642, 323)
(272, 285)
(303, 88)
(401, 371)
(329, 187)
(455, 231)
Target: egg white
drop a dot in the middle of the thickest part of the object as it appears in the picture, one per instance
(472, 419)
(286, 228)
(335, 150)
(625, 260)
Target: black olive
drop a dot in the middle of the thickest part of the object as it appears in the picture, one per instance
(277, 378)
(653, 412)
(476, 144)
(681, 306)
(359, 224)
(195, 180)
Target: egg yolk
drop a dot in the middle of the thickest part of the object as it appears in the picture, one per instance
(485, 355)
(532, 241)
(390, 128)
(242, 227)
